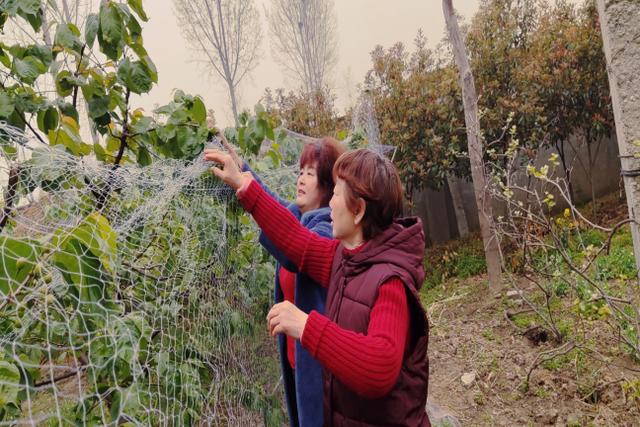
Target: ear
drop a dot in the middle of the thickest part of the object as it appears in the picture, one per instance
(362, 207)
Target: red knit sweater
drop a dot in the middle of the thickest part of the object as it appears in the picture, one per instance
(368, 364)
(288, 288)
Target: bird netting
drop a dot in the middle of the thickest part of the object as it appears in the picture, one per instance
(128, 294)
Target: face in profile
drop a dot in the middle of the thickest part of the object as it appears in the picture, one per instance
(308, 195)
(343, 220)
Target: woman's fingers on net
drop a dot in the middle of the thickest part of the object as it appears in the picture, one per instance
(226, 144)
(232, 151)
(215, 156)
(217, 171)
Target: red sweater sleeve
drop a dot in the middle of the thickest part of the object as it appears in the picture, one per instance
(310, 252)
(367, 364)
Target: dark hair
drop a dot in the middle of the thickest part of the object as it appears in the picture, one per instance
(373, 178)
(322, 154)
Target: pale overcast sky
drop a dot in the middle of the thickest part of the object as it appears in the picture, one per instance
(362, 24)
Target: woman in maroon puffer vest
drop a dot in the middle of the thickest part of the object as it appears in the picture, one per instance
(372, 342)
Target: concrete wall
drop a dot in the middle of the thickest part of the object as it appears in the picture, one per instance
(435, 208)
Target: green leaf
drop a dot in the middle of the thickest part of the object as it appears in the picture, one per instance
(98, 106)
(198, 110)
(85, 253)
(135, 31)
(6, 105)
(101, 155)
(17, 119)
(4, 58)
(135, 76)
(32, 12)
(91, 29)
(68, 37)
(28, 69)
(18, 258)
(68, 136)
(9, 383)
(151, 68)
(144, 158)
(31, 7)
(48, 119)
(3, 19)
(65, 83)
(111, 31)
(95, 233)
(142, 125)
(82, 269)
(42, 52)
(68, 110)
(34, 20)
(136, 5)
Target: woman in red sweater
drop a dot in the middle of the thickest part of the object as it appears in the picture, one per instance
(372, 340)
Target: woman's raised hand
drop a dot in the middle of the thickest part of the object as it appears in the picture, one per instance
(229, 173)
(232, 151)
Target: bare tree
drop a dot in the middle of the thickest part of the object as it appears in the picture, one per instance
(620, 35)
(227, 33)
(478, 173)
(304, 36)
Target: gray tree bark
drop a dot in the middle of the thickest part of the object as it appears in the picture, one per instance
(620, 26)
(478, 174)
(458, 207)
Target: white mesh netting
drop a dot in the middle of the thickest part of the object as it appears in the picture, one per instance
(128, 295)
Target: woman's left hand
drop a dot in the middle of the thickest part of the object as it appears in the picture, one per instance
(286, 318)
(231, 150)
(230, 173)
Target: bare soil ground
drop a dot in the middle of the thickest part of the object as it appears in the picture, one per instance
(472, 340)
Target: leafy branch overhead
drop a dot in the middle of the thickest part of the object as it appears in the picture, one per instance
(101, 68)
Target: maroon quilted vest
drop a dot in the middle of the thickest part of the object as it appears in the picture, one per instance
(353, 290)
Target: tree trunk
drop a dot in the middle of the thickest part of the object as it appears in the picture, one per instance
(620, 33)
(234, 102)
(480, 184)
(565, 168)
(594, 210)
(458, 207)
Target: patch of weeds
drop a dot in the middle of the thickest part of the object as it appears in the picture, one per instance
(631, 389)
(592, 237)
(515, 396)
(461, 258)
(488, 334)
(564, 327)
(623, 238)
(574, 423)
(478, 398)
(620, 263)
(524, 320)
(542, 393)
(549, 261)
(469, 263)
(495, 365)
(487, 418)
(560, 287)
(560, 362)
